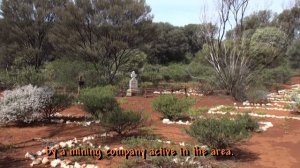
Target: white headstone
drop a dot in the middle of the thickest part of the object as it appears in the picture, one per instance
(133, 83)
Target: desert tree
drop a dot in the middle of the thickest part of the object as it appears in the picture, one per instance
(25, 32)
(232, 59)
(104, 33)
(227, 57)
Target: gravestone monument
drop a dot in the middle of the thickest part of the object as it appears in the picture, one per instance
(133, 85)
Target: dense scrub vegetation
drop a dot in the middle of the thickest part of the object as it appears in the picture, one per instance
(222, 132)
(57, 45)
(171, 106)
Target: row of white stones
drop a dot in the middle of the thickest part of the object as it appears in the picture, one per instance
(75, 141)
(216, 110)
(263, 125)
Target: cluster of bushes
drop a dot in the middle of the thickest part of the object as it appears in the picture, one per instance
(172, 72)
(20, 77)
(171, 106)
(222, 132)
(101, 103)
(30, 103)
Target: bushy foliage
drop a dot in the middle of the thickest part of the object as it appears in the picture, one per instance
(64, 73)
(99, 101)
(58, 102)
(175, 72)
(256, 95)
(293, 53)
(280, 74)
(122, 122)
(268, 46)
(20, 77)
(24, 104)
(221, 132)
(151, 73)
(172, 107)
(247, 122)
(196, 112)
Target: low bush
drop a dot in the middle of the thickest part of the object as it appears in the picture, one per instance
(20, 77)
(247, 122)
(99, 101)
(221, 132)
(193, 112)
(63, 73)
(280, 74)
(227, 109)
(174, 72)
(122, 122)
(58, 102)
(172, 107)
(24, 104)
(151, 73)
(257, 96)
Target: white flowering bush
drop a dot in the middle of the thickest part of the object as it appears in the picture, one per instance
(24, 104)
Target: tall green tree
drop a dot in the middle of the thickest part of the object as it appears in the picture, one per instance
(289, 22)
(268, 46)
(194, 38)
(252, 22)
(25, 32)
(104, 33)
(294, 54)
(169, 45)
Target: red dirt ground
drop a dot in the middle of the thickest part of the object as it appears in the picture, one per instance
(277, 147)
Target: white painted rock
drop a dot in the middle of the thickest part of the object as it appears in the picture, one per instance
(36, 162)
(106, 147)
(168, 142)
(43, 151)
(62, 144)
(45, 160)
(30, 156)
(77, 165)
(55, 162)
(91, 166)
(39, 153)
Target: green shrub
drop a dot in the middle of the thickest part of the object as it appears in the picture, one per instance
(99, 101)
(280, 74)
(227, 109)
(172, 107)
(63, 73)
(20, 77)
(150, 73)
(247, 122)
(220, 132)
(122, 122)
(255, 95)
(57, 103)
(194, 112)
(174, 72)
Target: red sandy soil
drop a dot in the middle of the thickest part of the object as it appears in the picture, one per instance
(277, 147)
